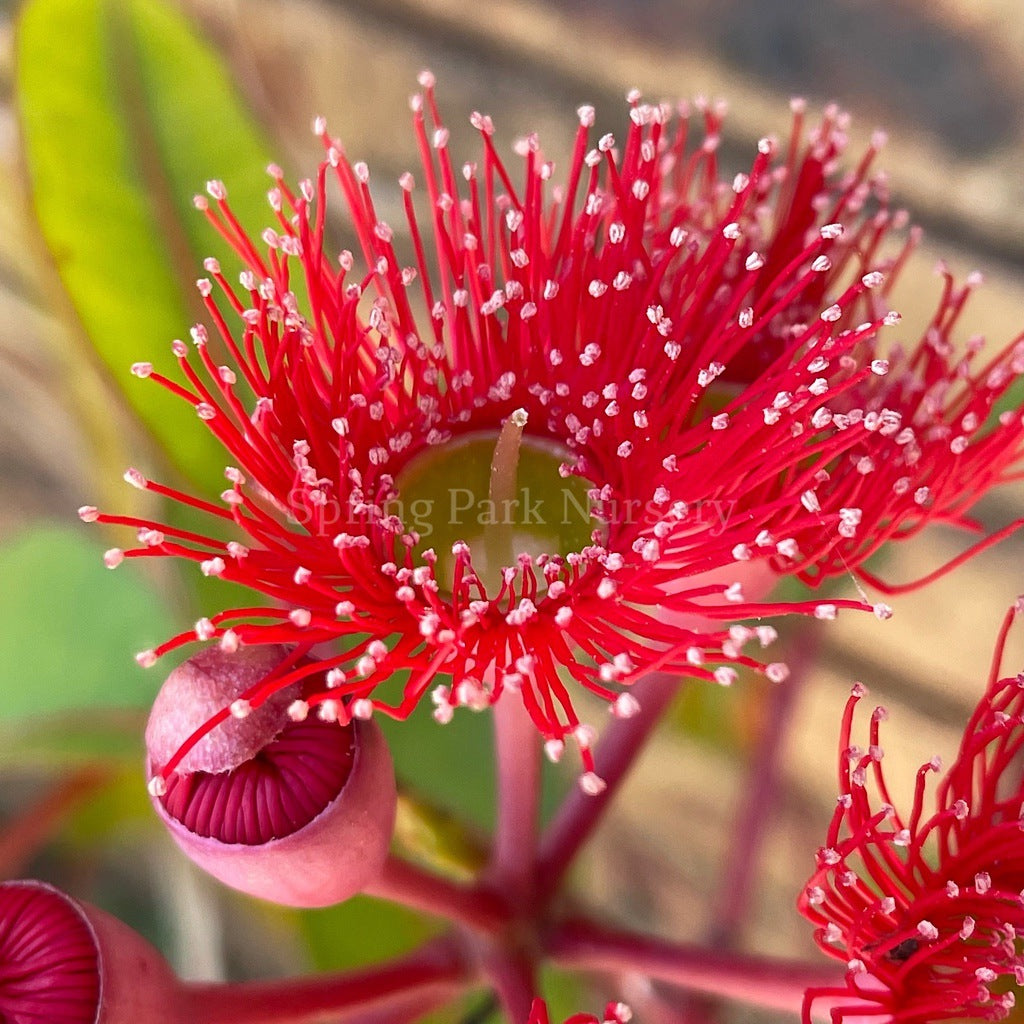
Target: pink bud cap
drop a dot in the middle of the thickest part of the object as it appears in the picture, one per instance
(296, 812)
(200, 687)
(69, 963)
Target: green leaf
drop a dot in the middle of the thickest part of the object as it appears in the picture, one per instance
(70, 627)
(567, 994)
(200, 127)
(428, 757)
(125, 112)
(726, 718)
(438, 838)
(361, 932)
(120, 804)
(87, 737)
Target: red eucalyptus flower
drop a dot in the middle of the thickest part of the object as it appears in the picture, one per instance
(67, 991)
(928, 912)
(685, 376)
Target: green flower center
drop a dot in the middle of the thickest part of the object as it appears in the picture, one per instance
(502, 495)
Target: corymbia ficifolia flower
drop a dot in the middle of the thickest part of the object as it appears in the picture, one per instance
(559, 429)
(927, 909)
(66, 963)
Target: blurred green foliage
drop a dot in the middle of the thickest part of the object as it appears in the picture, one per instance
(71, 627)
(125, 113)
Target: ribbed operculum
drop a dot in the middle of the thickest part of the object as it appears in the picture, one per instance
(64, 962)
(294, 808)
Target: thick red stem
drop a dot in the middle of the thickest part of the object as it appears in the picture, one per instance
(517, 756)
(477, 908)
(759, 801)
(431, 975)
(513, 978)
(756, 981)
(614, 755)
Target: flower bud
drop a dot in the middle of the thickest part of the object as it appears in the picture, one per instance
(299, 812)
(70, 963)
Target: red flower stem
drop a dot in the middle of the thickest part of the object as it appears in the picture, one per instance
(513, 978)
(406, 1009)
(614, 755)
(757, 807)
(477, 908)
(433, 973)
(517, 757)
(757, 981)
(760, 795)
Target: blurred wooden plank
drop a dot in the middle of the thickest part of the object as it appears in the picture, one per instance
(515, 53)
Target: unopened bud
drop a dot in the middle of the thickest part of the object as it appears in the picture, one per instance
(66, 962)
(320, 796)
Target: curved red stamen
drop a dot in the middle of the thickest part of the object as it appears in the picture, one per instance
(927, 911)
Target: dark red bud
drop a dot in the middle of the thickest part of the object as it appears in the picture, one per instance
(65, 962)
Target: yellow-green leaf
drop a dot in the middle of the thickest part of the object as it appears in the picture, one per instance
(125, 113)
